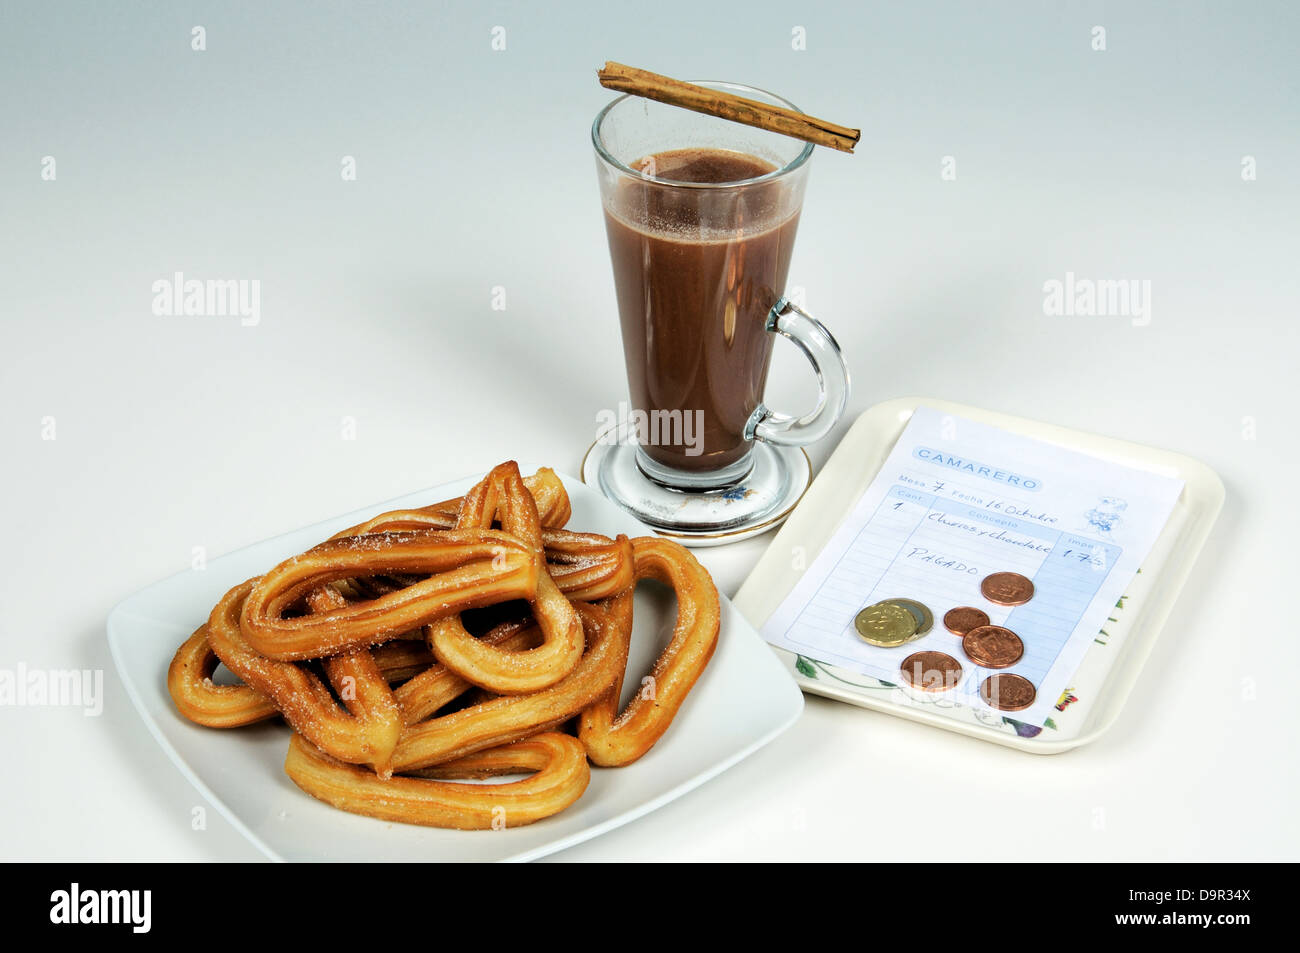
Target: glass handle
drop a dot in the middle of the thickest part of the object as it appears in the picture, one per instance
(817, 344)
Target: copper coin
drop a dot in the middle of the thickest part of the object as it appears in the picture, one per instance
(1007, 589)
(1007, 692)
(961, 620)
(931, 671)
(993, 646)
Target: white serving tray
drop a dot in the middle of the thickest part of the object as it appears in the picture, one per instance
(1110, 668)
(743, 700)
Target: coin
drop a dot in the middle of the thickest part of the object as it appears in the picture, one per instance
(931, 671)
(1008, 692)
(962, 619)
(1007, 589)
(885, 624)
(993, 646)
(924, 618)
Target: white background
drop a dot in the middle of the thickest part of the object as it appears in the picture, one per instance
(474, 171)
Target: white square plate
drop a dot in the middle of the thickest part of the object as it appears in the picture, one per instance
(743, 700)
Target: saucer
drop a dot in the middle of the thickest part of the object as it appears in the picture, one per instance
(754, 504)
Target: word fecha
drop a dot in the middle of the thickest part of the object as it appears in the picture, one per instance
(75, 906)
(1106, 297)
(654, 428)
(228, 297)
(54, 688)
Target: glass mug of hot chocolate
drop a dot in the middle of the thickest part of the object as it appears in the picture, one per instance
(701, 214)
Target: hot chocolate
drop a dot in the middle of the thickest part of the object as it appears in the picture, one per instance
(694, 294)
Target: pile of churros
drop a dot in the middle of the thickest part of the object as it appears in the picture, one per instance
(428, 648)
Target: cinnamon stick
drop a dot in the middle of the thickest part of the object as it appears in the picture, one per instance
(674, 92)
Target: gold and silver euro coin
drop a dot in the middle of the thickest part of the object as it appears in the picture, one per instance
(885, 624)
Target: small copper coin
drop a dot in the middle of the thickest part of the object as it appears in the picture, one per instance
(961, 620)
(992, 646)
(931, 671)
(1007, 589)
(1008, 692)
